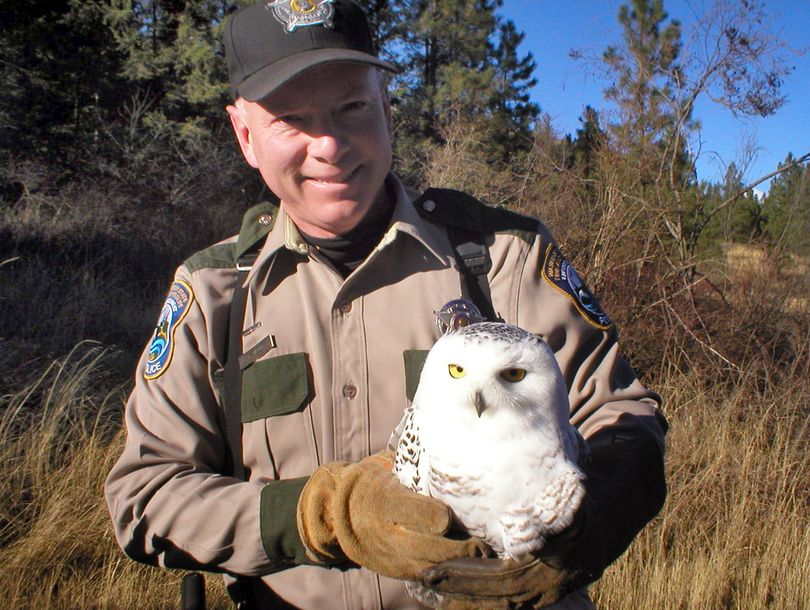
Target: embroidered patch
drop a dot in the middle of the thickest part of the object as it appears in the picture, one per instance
(300, 13)
(161, 347)
(558, 272)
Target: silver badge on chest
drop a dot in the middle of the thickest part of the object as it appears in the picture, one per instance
(300, 13)
(457, 314)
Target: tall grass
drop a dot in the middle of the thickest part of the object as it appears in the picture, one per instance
(59, 436)
(735, 532)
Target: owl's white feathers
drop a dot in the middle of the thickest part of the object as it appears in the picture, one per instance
(488, 434)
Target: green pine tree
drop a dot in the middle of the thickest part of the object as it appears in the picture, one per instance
(58, 79)
(460, 62)
(787, 208)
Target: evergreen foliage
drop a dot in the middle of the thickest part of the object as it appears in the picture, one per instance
(786, 208)
(460, 61)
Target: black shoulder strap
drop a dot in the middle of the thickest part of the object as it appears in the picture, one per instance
(233, 371)
(256, 224)
(461, 215)
(474, 262)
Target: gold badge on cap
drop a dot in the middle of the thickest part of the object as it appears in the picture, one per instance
(301, 13)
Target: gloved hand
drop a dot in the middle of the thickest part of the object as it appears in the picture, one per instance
(495, 584)
(361, 512)
(501, 584)
(624, 490)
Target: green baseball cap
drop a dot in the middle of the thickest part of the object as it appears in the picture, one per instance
(269, 43)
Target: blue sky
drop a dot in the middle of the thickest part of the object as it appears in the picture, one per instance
(565, 85)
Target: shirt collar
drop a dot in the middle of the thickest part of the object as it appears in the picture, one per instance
(405, 219)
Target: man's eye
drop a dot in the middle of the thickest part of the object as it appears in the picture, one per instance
(291, 119)
(353, 106)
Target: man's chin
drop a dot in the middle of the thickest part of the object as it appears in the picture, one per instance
(333, 218)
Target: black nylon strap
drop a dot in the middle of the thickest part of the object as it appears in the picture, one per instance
(463, 218)
(233, 377)
(474, 262)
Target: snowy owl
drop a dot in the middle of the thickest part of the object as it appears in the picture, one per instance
(488, 434)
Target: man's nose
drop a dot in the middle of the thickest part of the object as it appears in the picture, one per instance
(329, 143)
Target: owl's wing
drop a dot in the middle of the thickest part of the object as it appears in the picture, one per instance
(393, 440)
(576, 447)
(554, 498)
(410, 458)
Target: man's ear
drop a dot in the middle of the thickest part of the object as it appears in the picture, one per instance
(242, 132)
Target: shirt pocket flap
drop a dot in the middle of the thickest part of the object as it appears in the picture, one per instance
(276, 386)
(414, 362)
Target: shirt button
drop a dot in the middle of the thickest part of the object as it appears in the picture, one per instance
(345, 307)
(264, 219)
(429, 205)
(349, 391)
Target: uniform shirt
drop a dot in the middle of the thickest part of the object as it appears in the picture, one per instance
(337, 361)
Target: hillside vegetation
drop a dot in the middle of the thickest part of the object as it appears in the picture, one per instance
(120, 165)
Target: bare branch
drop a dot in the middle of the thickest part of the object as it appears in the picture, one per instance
(748, 187)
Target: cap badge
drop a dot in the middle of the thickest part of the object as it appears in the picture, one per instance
(301, 13)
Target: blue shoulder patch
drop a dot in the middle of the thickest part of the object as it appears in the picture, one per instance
(560, 274)
(161, 347)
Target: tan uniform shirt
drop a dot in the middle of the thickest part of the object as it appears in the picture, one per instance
(331, 387)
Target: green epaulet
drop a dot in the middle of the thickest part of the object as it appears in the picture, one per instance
(463, 211)
(256, 224)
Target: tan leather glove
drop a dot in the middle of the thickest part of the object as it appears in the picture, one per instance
(495, 584)
(362, 512)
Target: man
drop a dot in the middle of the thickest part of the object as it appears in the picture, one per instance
(284, 358)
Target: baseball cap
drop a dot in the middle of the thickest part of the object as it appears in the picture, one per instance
(269, 43)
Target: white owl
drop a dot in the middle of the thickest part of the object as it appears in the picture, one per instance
(488, 434)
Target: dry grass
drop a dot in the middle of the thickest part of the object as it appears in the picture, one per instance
(734, 532)
(58, 440)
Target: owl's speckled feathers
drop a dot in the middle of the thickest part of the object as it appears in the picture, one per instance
(488, 434)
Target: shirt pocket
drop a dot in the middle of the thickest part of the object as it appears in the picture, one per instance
(278, 431)
(276, 386)
(414, 363)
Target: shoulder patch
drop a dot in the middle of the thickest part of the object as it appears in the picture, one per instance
(161, 347)
(560, 274)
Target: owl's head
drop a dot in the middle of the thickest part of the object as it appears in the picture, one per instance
(492, 370)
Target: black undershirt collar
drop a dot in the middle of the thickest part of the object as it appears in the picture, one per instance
(346, 252)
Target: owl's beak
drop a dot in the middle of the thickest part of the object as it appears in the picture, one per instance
(480, 403)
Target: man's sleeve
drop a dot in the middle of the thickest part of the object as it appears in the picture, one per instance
(619, 418)
(170, 502)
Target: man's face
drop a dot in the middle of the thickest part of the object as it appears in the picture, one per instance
(322, 143)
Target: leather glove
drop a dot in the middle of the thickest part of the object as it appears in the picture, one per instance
(495, 584)
(624, 489)
(361, 512)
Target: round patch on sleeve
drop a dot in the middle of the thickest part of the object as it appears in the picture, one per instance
(560, 274)
(161, 347)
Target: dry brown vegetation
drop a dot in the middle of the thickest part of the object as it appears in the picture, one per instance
(726, 346)
(733, 534)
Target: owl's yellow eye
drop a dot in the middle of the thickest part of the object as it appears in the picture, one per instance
(456, 371)
(513, 375)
